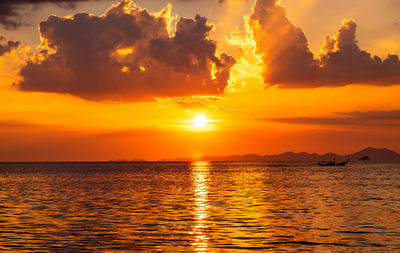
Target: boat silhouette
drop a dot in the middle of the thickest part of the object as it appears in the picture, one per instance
(332, 163)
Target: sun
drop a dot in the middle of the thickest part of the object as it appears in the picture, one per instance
(200, 121)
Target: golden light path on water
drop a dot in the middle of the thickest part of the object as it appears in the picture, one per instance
(200, 170)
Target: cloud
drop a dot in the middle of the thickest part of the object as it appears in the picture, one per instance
(197, 102)
(11, 18)
(374, 115)
(192, 104)
(14, 123)
(356, 118)
(8, 46)
(126, 54)
(10, 10)
(290, 63)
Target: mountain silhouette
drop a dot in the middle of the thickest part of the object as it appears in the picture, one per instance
(374, 154)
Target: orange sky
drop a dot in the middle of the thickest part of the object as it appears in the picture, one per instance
(85, 100)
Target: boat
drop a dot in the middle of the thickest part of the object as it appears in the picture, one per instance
(332, 163)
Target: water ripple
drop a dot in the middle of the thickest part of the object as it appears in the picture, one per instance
(202, 207)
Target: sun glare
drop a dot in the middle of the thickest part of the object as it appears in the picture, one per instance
(200, 121)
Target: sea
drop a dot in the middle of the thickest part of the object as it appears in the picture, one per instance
(199, 207)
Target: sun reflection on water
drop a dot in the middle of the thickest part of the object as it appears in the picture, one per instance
(201, 207)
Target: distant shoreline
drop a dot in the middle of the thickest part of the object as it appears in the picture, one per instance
(373, 154)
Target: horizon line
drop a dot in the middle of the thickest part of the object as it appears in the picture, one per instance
(187, 159)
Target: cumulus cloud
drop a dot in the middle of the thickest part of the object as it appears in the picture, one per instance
(8, 46)
(290, 63)
(356, 118)
(126, 54)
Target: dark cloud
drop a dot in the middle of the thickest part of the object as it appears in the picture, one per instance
(10, 10)
(126, 55)
(8, 46)
(13, 123)
(356, 118)
(290, 64)
(11, 18)
(374, 115)
(9, 15)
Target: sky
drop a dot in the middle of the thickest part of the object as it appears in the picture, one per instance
(89, 80)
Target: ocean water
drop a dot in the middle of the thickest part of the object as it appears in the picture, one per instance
(199, 207)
